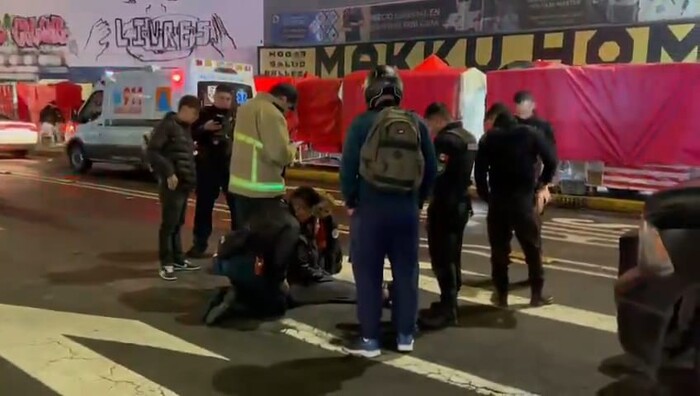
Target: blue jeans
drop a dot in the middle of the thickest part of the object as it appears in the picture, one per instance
(376, 234)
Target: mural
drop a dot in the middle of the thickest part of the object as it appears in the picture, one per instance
(158, 35)
(30, 43)
(40, 38)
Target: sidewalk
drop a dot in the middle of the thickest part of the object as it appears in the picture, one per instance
(52, 151)
(329, 176)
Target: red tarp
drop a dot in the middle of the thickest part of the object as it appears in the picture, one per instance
(320, 114)
(32, 98)
(420, 89)
(624, 115)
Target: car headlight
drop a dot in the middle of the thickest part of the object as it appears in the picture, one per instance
(653, 258)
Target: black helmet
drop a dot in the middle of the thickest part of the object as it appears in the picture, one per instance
(383, 81)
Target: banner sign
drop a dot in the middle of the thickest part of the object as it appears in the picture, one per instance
(307, 28)
(427, 18)
(544, 14)
(652, 43)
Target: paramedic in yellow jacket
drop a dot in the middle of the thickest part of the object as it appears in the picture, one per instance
(261, 151)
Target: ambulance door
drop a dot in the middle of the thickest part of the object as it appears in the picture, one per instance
(123, 133)
(89, 124)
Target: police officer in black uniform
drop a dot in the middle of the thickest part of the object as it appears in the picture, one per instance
(449, 211)
(213, 137)
(506, 178)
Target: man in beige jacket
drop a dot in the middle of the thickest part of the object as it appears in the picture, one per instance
(261, 150)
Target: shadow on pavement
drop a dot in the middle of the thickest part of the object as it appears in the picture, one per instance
(630, 381)
(36, 217)
(189, 305)
(486, 283)
(138, 256)
(102, 274)
(305, 377)
(486, 316)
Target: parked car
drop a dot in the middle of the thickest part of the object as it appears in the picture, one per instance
(658, 290)
(17, 137)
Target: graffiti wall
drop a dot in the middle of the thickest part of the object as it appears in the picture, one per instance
(53, 37)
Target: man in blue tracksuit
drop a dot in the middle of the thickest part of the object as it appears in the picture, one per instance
(387, 171)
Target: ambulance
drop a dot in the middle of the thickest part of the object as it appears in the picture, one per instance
(114, 123)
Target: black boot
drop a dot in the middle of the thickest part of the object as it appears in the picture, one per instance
(537, 298)
(500, 299)
(439, 316)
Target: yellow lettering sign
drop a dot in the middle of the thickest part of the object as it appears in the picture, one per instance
(653, 43)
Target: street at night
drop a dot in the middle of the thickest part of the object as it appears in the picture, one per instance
(81, 291)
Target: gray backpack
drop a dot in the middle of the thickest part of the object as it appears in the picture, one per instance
(391, 157)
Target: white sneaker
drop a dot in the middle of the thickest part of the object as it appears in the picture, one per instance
(167, 272)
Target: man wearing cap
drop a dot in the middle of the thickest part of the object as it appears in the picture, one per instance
(261, 152)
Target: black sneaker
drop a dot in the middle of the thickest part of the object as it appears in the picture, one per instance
(167, 272)
(197, 253)
(186, 266)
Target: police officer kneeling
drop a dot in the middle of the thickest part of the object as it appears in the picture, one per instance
(506, 180)
(449, 211)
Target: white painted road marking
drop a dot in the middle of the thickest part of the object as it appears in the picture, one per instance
(328, 341)
(572, 230)
(554, 312)
(35, 340)
(558, 313)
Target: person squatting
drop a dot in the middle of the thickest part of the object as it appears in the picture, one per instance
(285, 249)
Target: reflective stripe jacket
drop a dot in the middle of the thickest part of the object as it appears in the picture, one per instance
(261, 149)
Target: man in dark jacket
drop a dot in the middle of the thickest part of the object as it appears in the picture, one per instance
(449, 211)
(506, 179)
(386, 174)
(525, 114)
(171, 154)
(213, 137)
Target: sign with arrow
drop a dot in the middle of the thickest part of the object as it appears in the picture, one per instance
(37, 342)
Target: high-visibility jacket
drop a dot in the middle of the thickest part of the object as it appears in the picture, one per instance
(261, 149)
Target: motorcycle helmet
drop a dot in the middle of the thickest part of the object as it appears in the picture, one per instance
(381, 82)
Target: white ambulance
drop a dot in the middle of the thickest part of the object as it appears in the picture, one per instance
(115, 121)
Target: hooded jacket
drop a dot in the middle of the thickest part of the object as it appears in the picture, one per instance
(261, 149)
(171, 151)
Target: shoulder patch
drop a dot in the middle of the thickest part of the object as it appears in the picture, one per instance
(335, 233)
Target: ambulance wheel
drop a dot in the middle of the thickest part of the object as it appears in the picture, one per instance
(77, 160)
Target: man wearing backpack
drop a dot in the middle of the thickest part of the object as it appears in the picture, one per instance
(387, 171)
(449, 211)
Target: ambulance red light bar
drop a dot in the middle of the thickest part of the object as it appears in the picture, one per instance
(176, 76)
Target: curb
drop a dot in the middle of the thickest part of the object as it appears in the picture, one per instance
(48, 153)
(560, 201)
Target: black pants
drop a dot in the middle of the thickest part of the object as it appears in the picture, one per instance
(446, 222)
(508, 215)
(211, 183)
(173, 206)
(271, 221)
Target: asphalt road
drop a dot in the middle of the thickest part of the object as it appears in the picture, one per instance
(87, 245)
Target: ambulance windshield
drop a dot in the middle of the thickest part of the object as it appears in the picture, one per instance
(206, 89)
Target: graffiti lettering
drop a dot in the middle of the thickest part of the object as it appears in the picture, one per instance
(162, 35)
(34, 32)
(160, 39)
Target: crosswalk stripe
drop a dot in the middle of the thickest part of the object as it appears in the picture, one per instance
(447, 375)
(554, 312)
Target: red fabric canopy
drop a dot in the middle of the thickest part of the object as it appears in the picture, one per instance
(320, 114)
(432, 63)
(624, 115)
(421, 88)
